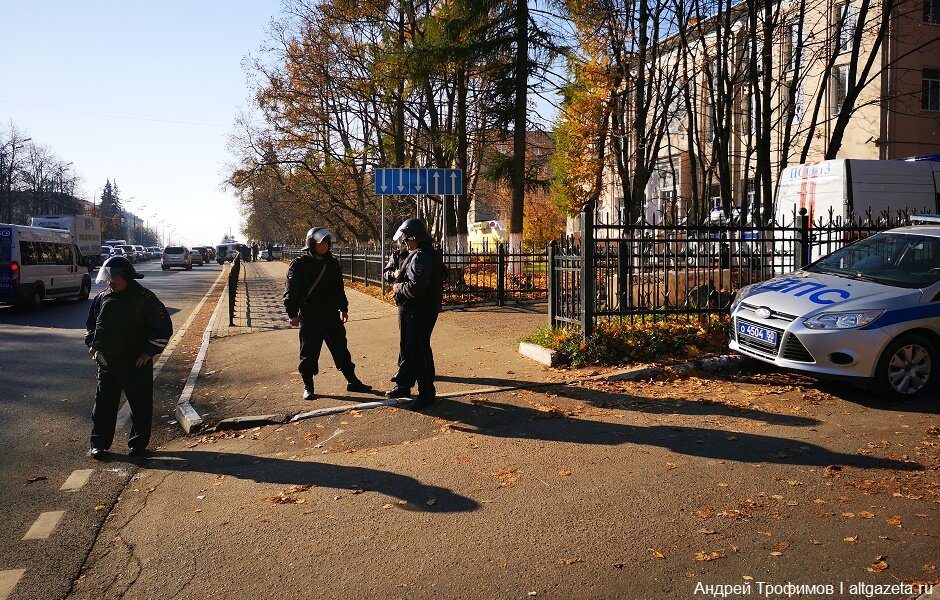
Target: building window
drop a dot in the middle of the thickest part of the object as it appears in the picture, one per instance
(796, 47)
(932, 11)
(840, 87)
(846, 20)
(931, 89)
(799, 102)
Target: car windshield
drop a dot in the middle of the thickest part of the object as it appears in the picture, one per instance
(897, 259)
(127, 248)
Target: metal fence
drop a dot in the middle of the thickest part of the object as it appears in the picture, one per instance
(612, 272)
(492, 275)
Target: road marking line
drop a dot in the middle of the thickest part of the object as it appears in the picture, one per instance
(8, 581)
(124, 414)
(44, 525)
(76, 480)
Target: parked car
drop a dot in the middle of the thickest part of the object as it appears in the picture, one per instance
(141, 251)
(867, 312)
(226, 252)
(106, 253)
(176, 256)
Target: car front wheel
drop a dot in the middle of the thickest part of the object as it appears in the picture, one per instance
(909, 368)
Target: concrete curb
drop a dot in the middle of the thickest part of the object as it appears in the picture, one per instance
(185, 414)
(251, 421)
(540, 354)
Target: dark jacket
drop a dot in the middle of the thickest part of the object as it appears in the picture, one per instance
(391, 271)
(329, 295)
(128, 324)
(421, 279)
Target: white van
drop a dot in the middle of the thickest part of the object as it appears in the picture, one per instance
(38, 263)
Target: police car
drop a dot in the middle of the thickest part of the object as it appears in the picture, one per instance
(869, 311)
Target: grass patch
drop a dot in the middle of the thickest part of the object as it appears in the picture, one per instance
(623, 343)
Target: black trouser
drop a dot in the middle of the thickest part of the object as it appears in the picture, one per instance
(316, 329)
(415, 358)
(137, 384)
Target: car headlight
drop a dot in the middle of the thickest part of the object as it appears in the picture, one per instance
(842, 320)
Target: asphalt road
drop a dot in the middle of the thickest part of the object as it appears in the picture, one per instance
(47, 386)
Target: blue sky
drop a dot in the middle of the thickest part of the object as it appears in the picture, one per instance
(142, 93)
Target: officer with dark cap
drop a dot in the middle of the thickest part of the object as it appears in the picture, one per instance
(127, 326)
(419, 291)
(316, 300)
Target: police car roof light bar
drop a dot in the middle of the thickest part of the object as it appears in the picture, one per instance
(925, 219)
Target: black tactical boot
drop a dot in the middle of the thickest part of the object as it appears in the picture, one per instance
(398, 392)
(308, 388)
(353, 384)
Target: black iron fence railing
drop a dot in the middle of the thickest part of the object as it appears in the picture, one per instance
(489, 276)
(611, 272)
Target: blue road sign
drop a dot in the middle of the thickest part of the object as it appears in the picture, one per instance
(435, 182)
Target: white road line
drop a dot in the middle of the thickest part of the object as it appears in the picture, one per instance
(44, 525)
(8, 581)
(76, 480)
(124, 414)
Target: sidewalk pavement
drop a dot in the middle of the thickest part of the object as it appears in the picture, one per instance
(251, 368)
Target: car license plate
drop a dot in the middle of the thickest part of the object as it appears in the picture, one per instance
(768, 336)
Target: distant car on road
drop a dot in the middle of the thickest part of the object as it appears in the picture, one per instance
(130, 252)
(195, 257)
(106, 253)
(176, 256)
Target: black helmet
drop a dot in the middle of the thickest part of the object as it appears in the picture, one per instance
(316, 235)
(117, 266)
(411, 229)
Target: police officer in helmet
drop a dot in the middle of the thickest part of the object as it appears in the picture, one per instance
(127, 327)
(315, 299)
(418, 291)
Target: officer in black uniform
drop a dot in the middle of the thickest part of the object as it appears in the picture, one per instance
(127, 326)
(316, 300)
(419, 291)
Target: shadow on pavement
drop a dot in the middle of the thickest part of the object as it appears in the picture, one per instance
(671, 406)
(509, 420)
(295, 472)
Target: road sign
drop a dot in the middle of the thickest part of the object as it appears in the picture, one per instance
(434, 182)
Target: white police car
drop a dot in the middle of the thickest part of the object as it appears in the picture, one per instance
(868, 311)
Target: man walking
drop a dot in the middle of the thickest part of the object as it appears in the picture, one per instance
(127, 326)
(419, 291)
(316, 300)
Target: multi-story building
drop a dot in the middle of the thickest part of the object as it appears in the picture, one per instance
(807, 108)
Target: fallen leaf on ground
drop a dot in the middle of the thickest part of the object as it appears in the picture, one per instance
(709, 556)
(564, 473)
(866, 515)
(879, 565)
(30, 480)
(851, 539)
(895, 520)
(569, 561)
(930, 568)
(431, 501)
(656, 553)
